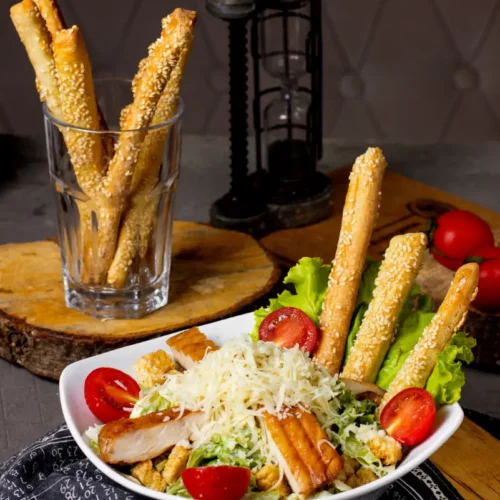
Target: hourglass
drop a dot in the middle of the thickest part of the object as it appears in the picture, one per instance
(290, 50)
(286, 190)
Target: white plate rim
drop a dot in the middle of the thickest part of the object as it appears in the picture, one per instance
(451, 419)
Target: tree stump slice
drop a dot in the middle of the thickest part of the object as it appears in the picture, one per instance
(406, 207)
(215, 273)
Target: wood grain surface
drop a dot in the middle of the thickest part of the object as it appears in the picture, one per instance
(470, 460)
(214, 273)
(406, 206)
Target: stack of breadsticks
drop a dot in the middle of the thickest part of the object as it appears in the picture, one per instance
(401, 264)
(116, 177)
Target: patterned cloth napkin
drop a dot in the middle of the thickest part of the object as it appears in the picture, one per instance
(54, 468)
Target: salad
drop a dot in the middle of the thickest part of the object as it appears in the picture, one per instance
(342, 372)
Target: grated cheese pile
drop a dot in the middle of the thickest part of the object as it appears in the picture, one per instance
(243, 379)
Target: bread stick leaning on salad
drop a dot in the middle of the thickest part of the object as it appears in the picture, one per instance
(402, 261)
(449, 318)
(358, 220)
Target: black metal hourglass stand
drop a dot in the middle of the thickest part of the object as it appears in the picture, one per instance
(285, 190)
(240, 208)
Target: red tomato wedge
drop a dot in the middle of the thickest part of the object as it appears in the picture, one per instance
(110, 394)
(287, 327)
(409, 415)
(221, 482)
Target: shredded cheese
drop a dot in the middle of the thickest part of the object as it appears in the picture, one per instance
(239, 382)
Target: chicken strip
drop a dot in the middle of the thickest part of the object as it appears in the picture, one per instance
(190, 346)
(303, 450)
(128, 441)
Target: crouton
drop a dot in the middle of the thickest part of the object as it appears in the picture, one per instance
(351, 465)
(152, 368)
(176, 463)
(268, 477)
(386, 449)
(148, 475)
(363, 476)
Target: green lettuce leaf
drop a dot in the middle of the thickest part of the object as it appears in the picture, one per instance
(353, 416)
(409, 332)
(447, 379)
(309, 280)
(355, 326)
(367, 283)
(151, 402)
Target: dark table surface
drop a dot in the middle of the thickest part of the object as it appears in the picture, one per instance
(30, 405)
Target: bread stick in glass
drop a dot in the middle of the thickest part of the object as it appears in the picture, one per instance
(33, 33)
(155, 72)
(449, 318)
(358, 220)
(51, 14)
(402, 261)
(79, 106)
(138, 219)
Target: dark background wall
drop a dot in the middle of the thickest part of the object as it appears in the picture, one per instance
(403, 70)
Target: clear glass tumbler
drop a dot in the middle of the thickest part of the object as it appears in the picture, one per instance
(114, 209)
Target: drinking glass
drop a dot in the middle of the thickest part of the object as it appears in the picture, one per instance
(114, 210)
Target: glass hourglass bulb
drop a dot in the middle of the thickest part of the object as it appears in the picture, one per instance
(285, 128)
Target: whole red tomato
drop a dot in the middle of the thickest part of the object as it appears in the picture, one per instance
(457, 234)
(488, 295)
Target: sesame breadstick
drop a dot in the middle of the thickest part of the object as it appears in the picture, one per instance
(79, 108)
(401, 264)
(358, 219)
(36, 38)
(138, 220)
(51, 14)
(150, 157)
(449, 318)
(33, 33)
(54, 23)
(163, 56)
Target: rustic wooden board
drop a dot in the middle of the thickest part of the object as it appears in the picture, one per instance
(214, 273)
(406, 207)
(470, 462)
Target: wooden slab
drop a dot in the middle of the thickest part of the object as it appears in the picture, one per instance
(214, 273)
(406, 207)
(470, 460)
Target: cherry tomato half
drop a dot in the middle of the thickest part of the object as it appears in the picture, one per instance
(488, 289)
(287, 327)
(457, 235)
(409, 415)
(221, 482)
(109, 393)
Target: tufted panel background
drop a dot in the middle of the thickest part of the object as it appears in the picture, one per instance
(402, 70)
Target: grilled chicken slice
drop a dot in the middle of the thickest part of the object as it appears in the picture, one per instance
(303, 450)
(132, 440)
(190, 346)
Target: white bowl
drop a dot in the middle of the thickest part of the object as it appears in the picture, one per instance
(79, 418)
